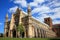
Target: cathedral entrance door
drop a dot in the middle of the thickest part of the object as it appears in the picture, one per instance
(14, 33)
(22, 34)
(7, 34)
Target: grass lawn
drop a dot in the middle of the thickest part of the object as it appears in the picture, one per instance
(29, 38)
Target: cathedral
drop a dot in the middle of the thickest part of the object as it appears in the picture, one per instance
(32, 27)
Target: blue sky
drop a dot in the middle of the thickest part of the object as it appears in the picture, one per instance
(40, 9)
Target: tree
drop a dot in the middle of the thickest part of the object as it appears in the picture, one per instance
(20, 29)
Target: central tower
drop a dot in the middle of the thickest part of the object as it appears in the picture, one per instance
(30, 32)
(29, 11)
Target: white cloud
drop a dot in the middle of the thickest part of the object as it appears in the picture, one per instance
(23, 3)
(56, 22)
(39, 1)
(13, 9)
(54, 3)
(42, 9)
(35, 4)
(57, 13)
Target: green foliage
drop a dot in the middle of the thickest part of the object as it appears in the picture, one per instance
(20, 28)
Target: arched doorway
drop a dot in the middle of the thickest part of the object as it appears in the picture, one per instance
(7, 34)
(14, 33)
(22, 34)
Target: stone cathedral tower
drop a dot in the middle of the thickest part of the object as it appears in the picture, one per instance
(31, 28)
(29, 22)
(48, 21)
(6, 26)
